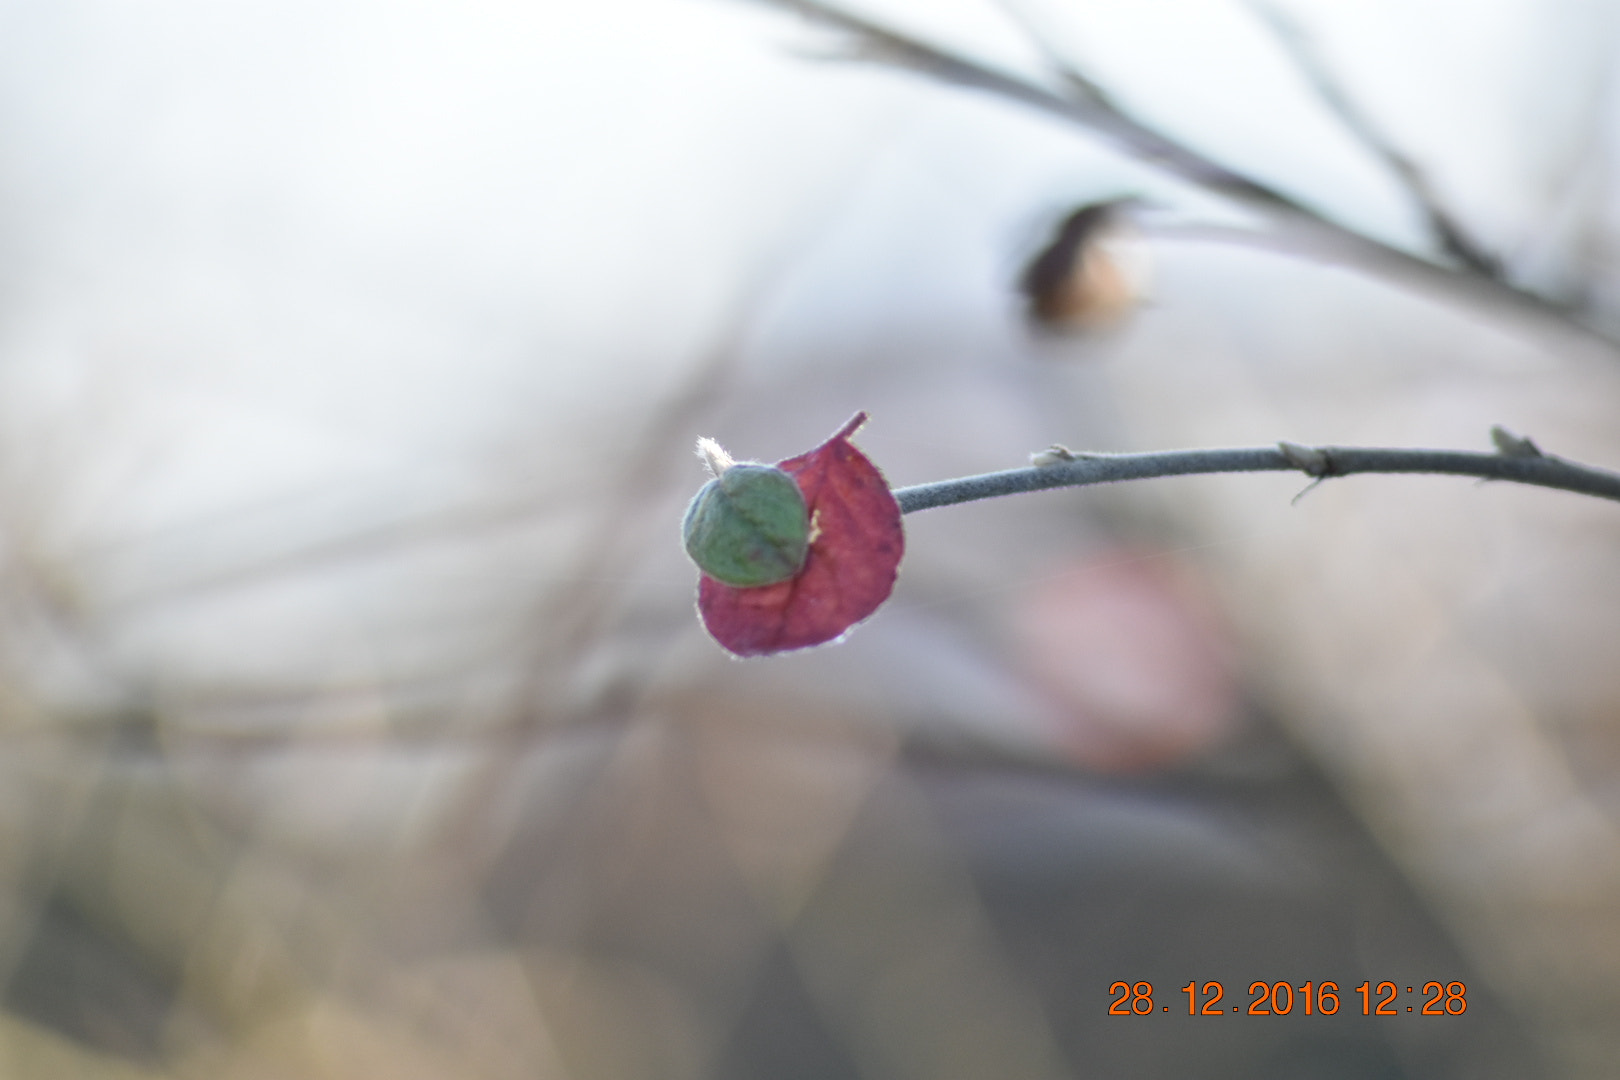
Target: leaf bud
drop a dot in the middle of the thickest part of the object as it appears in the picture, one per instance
(748, 526)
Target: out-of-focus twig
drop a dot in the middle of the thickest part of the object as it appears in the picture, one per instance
(1290, 224)
(1449, 233)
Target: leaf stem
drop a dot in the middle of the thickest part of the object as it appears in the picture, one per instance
(1322, 462)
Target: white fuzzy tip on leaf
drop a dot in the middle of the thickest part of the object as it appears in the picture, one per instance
(714, 456)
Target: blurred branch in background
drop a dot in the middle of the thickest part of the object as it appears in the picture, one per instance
(1449, 234)
(1473, 275)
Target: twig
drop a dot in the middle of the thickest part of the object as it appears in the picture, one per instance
(1318, 462)
(1448, 232)
(1087, 105)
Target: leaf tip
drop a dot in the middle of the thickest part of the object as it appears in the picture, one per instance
(852, 425)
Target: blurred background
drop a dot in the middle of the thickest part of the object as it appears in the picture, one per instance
(355, 719)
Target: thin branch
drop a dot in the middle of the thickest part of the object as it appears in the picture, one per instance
(1448, 232)
(1517, 461)
(1087, 105)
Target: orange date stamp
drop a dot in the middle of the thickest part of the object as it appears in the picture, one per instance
(1309, 998)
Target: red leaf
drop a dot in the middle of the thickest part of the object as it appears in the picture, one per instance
(855, 548)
